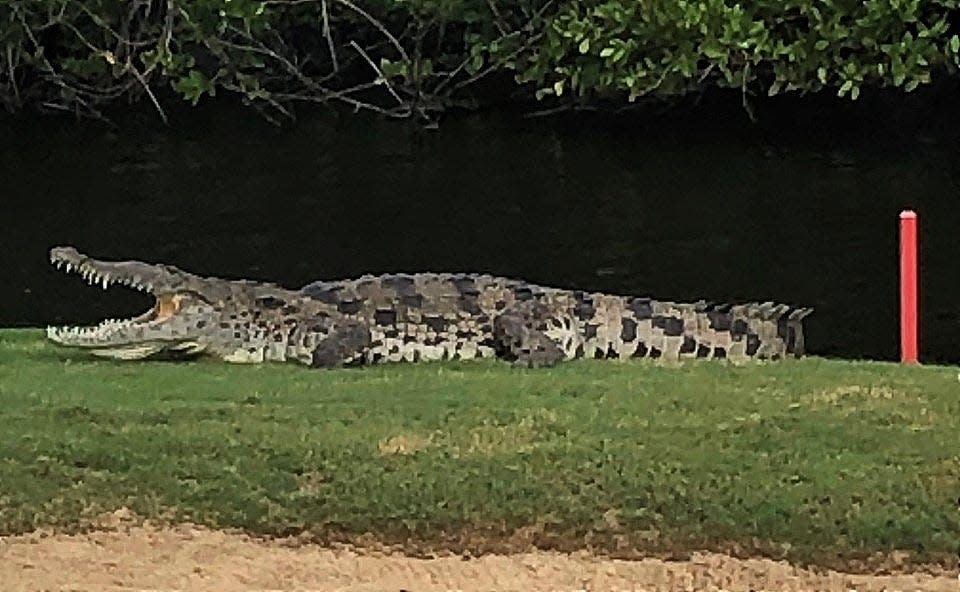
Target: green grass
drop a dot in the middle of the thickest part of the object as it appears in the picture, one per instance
(812, 459)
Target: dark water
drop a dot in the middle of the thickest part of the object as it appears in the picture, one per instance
(686, 204)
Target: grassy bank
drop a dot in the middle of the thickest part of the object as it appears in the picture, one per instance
(808, 459)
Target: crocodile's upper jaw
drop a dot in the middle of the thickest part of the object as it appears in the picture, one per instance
(166, 327)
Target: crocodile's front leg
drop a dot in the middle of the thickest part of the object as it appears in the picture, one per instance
(520, 337)
(346, 345)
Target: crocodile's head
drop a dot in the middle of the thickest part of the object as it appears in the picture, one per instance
(184, 304)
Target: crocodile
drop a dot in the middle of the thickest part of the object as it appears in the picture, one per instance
(419, 316)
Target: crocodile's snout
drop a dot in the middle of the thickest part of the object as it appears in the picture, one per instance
(155, 330)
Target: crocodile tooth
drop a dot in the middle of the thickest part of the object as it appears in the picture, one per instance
(105, 283)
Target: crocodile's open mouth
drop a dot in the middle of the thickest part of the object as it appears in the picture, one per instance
(134, 337)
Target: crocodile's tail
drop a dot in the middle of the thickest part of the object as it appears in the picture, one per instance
(706, 330)
(779, 329)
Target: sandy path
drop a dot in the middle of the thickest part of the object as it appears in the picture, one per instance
(192, 558)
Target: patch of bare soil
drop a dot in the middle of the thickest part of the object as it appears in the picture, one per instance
(128, 555)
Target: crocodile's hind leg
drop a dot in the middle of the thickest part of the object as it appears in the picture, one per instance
(346, 345)
(519, 334)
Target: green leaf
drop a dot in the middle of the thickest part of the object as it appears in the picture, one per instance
(955, 44)
(474, 65)
(822, 45)
(426, 67)
(193, 86)
(585, 45)
(606, 52)
(391, 69)
(713, 51)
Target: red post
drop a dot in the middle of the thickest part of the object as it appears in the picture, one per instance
(908, 287)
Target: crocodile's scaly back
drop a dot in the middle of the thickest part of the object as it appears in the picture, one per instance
(433, 316)
(423, 316)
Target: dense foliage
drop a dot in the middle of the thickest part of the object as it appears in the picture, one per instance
(417, 57)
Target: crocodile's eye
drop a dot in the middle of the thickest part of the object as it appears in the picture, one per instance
(270, 302)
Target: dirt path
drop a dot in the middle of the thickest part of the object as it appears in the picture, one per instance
(190, 558)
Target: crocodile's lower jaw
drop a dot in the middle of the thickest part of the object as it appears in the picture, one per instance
(69, 335)
(165, 306)
(133, 352)
(144, 350)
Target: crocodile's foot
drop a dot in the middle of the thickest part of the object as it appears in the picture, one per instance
(541, 353)
(345, 346)
(520, 341)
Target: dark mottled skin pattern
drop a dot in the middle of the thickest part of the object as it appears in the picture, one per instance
(451, 316)
(424, 316)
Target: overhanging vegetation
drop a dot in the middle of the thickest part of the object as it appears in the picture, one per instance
(417, 58)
